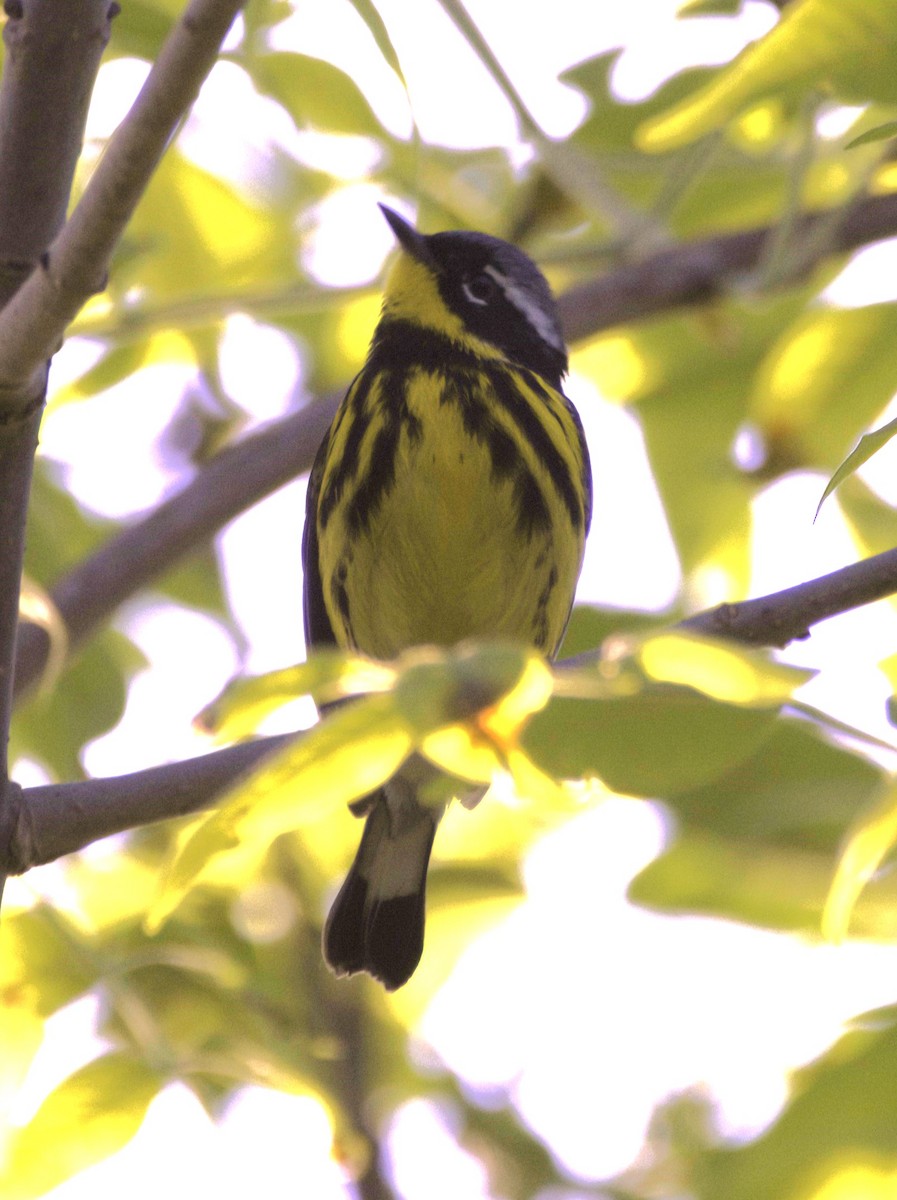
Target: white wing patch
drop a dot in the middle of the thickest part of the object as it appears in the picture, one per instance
(525, 303)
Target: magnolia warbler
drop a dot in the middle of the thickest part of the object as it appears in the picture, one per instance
(450, 499)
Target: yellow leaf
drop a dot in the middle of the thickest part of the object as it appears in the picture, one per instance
(21, 1033)
(327, 675)
(731, 674)
(529, 695)
(459, 750)
(347, 755)
(858, 1180)
(478, 749)
(874, 834)
(439, 687)
(90, 1116)
(532, 784)
(37, 607)
(846, 43)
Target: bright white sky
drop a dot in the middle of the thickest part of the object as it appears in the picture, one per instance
(586, 1010)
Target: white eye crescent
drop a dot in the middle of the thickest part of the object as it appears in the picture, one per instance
(479, 289)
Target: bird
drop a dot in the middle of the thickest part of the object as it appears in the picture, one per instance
(450, 500)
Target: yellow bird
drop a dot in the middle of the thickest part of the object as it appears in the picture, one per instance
(450, 499)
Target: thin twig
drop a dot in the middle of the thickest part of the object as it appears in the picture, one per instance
(579, 175)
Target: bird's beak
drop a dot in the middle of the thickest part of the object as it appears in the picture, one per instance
(409, 239)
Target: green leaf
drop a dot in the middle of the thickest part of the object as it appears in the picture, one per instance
(872, 836)
(87, 700)
(60, 532)
(849, 45)
(147, 25)
(315, 93)
(796, 788)
(657, 743)
(879, 133)
(371, 17)
(694, 8)
(836, 1139)
(766, 885)
(872, 521)
(690, 382)
(196, 583)
(610, 125)
(526, 1165)
(696, 190)
(757, 843)
(21, 1035)
(90, 1116)
(719, 876)
(192, 225)
(690, 390)
(590, 625)
(118, 362)
(823, 381)
(869, 444)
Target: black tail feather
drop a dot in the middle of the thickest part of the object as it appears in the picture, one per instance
(376, 923)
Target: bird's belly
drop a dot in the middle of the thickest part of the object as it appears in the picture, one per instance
(444, 556)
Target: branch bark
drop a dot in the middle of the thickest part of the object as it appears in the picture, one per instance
(787, 616)
(44, 823)
(52, 56)
(700, 271)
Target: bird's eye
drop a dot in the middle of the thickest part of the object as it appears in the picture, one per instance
(479, 289)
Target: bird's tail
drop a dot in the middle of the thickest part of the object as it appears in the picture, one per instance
(376, 923)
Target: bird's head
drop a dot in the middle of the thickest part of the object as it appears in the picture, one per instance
(481, 292)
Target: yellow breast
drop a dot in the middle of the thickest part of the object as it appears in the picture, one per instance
(449, 509)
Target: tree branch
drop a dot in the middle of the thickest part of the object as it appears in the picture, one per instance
(75, 266)
(52, 57)
(243, 474)
(787, 616)
(236, 478)
(45, 823)
(700, 271)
